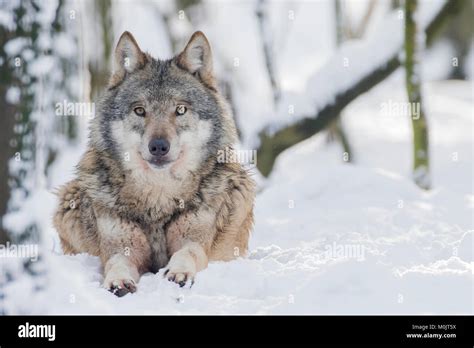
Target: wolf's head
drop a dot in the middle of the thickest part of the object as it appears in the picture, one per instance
(163, 116)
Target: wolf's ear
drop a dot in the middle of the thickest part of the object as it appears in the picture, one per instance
(128, 58)
(197, 58)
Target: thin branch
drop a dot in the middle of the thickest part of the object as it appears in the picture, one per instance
(267, 48)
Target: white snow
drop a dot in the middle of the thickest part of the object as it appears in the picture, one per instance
(145, 23)
(329, 238)
(14, 46)
(13, 95)
(346, 66)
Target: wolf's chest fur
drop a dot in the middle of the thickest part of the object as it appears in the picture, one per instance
(153, 209)
(149, 202)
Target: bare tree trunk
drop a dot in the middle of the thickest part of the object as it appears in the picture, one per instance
(265, 36)
(6, 130)
(451, 8)
(461, 34)
(98, 66)
(421, 171)
(359, 31)
(6, 135)
(336, 129)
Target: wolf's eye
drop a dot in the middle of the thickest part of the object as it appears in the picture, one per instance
(139, 111)
(181, 110)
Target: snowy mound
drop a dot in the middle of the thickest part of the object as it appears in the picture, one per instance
(329, 237)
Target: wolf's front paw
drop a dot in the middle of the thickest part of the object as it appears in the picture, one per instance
(121, 287)
(181, 269)
(180, 277)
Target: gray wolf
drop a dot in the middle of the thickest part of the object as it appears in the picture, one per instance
(149, 192)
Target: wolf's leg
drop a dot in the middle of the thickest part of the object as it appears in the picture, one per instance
(125, 253)
(74, 221)
(186, 262)
(218, 230)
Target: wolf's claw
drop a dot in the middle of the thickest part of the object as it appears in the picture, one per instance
(122, 287)
(179, 278)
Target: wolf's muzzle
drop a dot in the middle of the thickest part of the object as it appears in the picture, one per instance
(159, 147)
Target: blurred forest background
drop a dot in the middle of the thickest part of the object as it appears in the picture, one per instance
(288, 68)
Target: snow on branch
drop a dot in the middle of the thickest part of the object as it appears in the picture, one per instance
(355, 68)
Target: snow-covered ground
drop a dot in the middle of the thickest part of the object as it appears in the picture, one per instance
(329, 238)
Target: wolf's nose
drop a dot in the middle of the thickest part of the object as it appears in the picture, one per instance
(159, 147)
